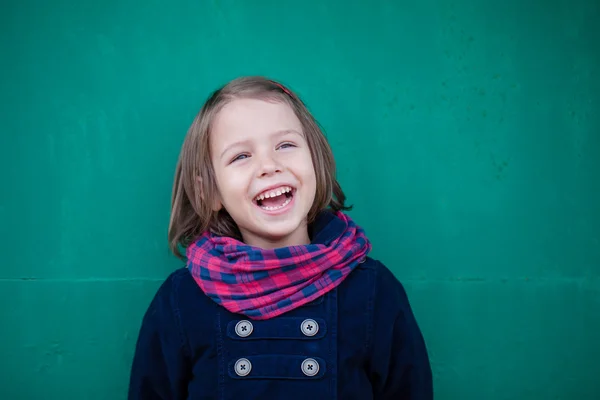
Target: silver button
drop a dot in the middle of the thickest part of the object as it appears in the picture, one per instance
(309, 327)
(244, 328)
(310, 367)
(243, 366)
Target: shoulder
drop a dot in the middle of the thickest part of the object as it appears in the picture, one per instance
(179, 294)
(164, 302)
(169, 288)
(386, 285)
(389, 299)
(176, 279)
(373, 285)
(176, 305)
(179, 287)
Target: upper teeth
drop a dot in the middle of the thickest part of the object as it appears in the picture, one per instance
(272, 193)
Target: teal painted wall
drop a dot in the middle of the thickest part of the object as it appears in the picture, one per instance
(467, 136)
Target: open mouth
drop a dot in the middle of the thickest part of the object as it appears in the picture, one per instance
(275, 199)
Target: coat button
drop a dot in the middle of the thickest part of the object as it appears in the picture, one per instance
(243, 366)
(310, 367)
(244, 328)
(309, 327)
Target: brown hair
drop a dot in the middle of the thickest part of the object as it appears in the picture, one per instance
(192, 198)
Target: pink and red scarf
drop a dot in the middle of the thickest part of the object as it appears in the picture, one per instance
(263, 284)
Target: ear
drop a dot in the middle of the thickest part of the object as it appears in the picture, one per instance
(216, 206)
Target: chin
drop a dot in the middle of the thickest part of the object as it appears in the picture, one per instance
(274, 234)
(279, 231)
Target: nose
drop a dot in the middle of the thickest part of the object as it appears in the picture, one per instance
(269, 166)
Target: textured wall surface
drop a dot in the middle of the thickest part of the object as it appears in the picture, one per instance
(467, 136)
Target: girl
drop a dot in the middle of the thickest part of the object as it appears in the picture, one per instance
(279, 299)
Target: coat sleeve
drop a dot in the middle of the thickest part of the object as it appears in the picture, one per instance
(161, 362)
(400, 366)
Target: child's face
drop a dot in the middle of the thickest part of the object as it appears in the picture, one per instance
(255, 146)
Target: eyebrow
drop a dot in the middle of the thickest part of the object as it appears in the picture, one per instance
(274, 134)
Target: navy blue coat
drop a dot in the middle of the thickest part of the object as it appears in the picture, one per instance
(360, 341)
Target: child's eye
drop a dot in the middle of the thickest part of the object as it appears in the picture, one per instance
(286, 145)
(239, 157)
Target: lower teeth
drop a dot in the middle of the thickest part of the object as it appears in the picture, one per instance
(272, 208)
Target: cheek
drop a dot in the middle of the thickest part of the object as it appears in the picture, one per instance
(232, 184)
(309, 169)
(307, 173)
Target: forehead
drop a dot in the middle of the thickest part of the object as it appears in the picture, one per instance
(252, 118)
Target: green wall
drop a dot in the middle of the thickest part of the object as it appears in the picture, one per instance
(467, 136)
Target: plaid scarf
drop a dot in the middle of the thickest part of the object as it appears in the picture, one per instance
(263, 284)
